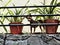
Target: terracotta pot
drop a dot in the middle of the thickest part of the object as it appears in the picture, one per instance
(51, 29)
(16, 29)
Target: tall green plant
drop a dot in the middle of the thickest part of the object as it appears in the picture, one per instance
(50, 10)
(17, 12)
(2, 12)
(5, 13)
(46, 10)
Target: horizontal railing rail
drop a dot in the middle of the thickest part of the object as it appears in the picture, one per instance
(33, 24)
(31, 15)
(31, 6)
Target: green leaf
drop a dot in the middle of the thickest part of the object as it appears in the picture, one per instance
(3, 26)
(3, 18)
(8, 2)
(10, 12)
(1, 0)
(27, 2)
(25, 11)
(19, 12)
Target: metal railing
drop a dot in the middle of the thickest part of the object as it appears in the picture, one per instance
(31, 15)
(31, 6)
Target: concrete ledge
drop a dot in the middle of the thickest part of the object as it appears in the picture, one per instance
(30, 39)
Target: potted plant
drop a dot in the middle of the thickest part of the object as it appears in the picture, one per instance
(48, 19)
(15, 20)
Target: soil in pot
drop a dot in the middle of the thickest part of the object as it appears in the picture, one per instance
(16, 29)
(51, 29)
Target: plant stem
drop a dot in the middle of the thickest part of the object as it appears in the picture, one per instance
(3, 26)
(44, 9)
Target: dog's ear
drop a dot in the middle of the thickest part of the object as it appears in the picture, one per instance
(29, 16)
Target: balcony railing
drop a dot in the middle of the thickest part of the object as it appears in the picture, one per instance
(31, 15)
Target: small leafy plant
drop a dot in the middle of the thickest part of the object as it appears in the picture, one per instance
(48, 10)
(2, 13)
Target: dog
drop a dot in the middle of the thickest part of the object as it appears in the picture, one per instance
(29, 18)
